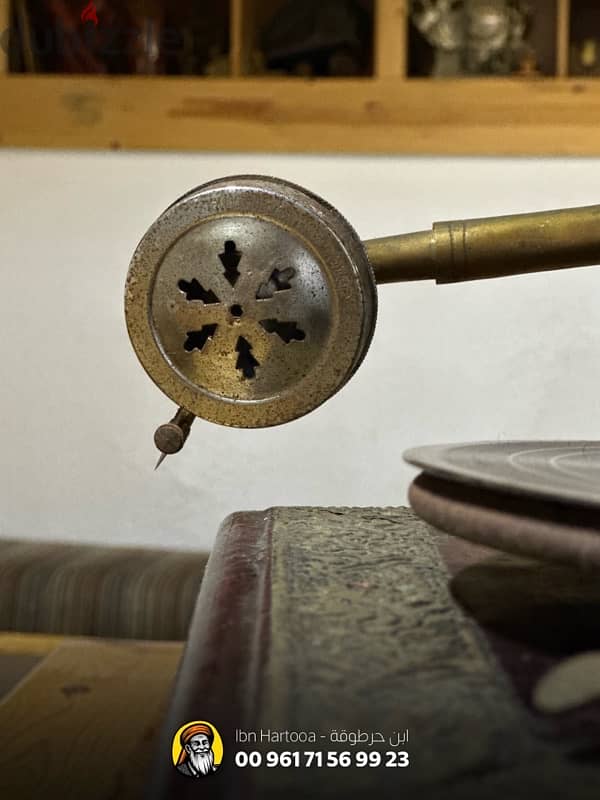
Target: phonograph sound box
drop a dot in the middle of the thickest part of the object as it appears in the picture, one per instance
(251, 301)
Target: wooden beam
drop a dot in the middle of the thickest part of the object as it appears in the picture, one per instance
(489, 116)
(236, 16)
(4, 26)
(241, 28)
(563, 25)
(391, 38)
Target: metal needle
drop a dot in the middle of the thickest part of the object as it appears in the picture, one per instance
(160, 461)
(171, 437)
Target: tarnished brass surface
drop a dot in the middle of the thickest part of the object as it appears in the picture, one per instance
(490, 247)
(251, 301)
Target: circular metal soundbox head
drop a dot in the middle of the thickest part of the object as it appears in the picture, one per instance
(250, 301)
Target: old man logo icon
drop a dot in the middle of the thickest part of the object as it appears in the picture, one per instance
(197, 749)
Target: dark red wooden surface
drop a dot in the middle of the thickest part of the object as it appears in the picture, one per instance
(530, 614)
(220, 675)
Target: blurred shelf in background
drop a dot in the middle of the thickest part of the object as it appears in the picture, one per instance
(368, 76)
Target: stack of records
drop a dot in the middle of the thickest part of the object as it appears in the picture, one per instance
(539, 499)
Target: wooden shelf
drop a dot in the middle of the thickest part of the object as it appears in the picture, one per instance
(386, 113)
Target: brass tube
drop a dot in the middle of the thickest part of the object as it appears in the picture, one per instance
(490, 247)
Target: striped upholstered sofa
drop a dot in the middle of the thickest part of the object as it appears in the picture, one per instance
(82, 590)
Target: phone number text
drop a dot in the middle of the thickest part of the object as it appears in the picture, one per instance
(371, 758)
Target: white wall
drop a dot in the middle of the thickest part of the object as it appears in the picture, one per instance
(495, 360)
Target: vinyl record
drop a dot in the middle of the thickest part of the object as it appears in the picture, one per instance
(539, 499)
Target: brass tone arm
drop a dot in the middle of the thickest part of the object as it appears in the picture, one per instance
(491, 247)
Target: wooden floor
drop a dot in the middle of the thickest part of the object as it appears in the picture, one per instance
(81, 717)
